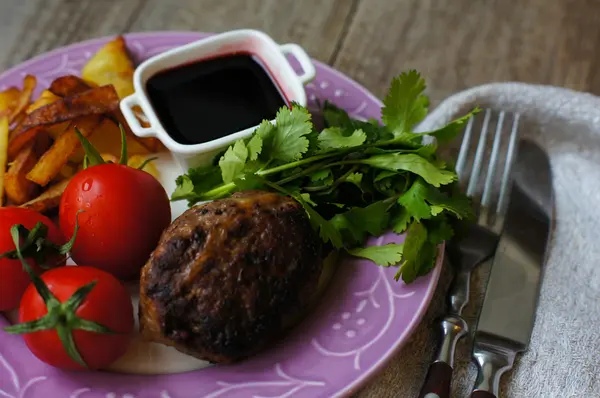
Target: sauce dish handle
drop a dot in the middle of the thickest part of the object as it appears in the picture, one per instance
(126, 106)
(308, 69)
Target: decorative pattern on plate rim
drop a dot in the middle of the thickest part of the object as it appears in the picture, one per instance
(11, 386)
(367, 297)
(350, 335)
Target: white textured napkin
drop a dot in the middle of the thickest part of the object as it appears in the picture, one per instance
(563, 360)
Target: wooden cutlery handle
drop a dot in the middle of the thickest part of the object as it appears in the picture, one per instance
(482, 394)
(439, 377)
(437, 382)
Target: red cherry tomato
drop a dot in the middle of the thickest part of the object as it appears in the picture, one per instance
(125, 211)
(13, 279)
(108, 304)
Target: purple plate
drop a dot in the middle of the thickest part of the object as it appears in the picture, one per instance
(364, 318)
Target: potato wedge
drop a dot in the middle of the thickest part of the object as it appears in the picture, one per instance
(65, 86)
(3, 153)
(106, 138)
(17, 125)
(49, 200)
(66, 172)
(46, 98)
(58, 155)
(137, 160)
(18, 188)
(19, 139)
(111, 65)
(95, 101)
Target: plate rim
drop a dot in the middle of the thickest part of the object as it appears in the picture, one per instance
(435, 274)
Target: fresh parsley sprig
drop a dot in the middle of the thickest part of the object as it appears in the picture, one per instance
(354, 178)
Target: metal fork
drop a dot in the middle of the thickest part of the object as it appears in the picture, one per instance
(479, 241)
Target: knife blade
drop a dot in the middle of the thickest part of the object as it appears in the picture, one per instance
(508, 312)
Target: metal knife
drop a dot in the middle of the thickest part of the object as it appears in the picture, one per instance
(508, 313)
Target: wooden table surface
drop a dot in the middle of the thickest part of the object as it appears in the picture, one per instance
(455, 44)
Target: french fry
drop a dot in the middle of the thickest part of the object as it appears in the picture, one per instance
(18, 188)
(46, 98)
(20, 138)
(14, 101)
(17, 125)
(8, 101)
(58, 155)
(66, 172)
(3, 153)
(29, 84)
(111, 65)
(95, 101)
(65, 86)
(49, 200)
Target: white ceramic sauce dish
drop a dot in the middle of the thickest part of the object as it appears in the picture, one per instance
(260, 45)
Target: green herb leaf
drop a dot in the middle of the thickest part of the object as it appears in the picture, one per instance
(384, 174)
(413, 163)
(337, 117)
(417, 254)
(414, 202)
(248, 182)
(185, 188)
(405, 104)
(401, 220)
(327, 231)
(334, 138)
(459, 205)
(197, 181)
(287, 140)
(427, 151)
(354, 178)
(454, 128)
(233, 162)
(321, 175)
(359, 222)
(255, 146)
(386, 255)
(439, 230)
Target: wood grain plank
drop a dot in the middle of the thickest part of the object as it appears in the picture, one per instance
(316, 25)
(12, 15)
(37, 26)
(464, 43)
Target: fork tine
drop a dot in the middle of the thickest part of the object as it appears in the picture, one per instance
(508, 165)
(464, 151)
(473, 181)
(491, 171)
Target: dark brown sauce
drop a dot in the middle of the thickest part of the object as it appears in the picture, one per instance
(205, 100)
